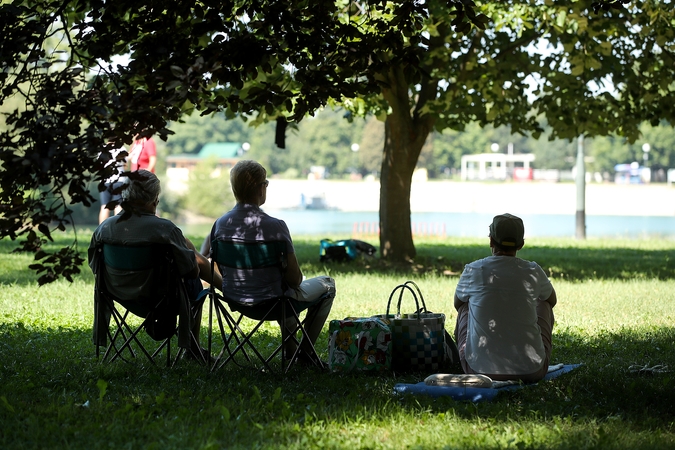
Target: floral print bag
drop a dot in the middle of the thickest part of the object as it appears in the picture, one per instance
(359, 343)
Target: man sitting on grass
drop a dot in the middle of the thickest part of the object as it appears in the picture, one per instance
(138, 224)
(505, 310)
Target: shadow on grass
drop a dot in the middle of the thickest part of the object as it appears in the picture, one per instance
(54, 392)
(574, 263)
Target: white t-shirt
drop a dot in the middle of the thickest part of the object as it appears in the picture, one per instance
(503, 334)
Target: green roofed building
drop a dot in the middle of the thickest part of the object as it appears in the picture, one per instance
(225, 154)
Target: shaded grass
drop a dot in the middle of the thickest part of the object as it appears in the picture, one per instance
(561, 258)
(61, 397)
(615, 310)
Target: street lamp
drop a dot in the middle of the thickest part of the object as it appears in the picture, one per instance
(494, 147)
(243, 149)
(645, 148)
(355, 149)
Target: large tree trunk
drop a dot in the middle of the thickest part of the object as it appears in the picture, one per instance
(405, 134)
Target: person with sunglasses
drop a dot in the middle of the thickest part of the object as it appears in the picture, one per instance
(247, 222)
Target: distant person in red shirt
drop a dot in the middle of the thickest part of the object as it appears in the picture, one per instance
(143, 154)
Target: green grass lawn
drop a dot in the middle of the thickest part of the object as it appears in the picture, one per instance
(615, 310)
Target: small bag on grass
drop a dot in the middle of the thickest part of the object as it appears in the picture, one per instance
(418, 339)
(344, 250)
(359, 343)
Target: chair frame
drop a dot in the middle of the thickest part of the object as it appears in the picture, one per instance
(275, 255)
(144, 257)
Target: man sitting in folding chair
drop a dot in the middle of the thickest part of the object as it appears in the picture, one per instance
(247, 223)
(137, 225)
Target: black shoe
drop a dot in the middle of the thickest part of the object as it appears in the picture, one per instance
(201, 356)
(307, 360)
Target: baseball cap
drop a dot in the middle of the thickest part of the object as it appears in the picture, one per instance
(507, 230)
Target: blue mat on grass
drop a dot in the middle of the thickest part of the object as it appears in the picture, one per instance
(473, 394)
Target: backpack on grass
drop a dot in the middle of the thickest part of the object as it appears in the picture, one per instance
(344, 250)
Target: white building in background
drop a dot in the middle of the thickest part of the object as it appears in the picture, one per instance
(496, 166)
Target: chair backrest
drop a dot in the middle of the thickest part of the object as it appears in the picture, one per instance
(137, 273)
(249, 255)
(141, 278)
(134, 258)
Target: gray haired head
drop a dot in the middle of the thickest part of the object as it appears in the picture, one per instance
(143, 188)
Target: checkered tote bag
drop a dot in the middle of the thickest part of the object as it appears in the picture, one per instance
(418, 339)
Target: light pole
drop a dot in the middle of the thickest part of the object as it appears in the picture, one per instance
(581, 190)
(355, 149)
(645, 156)
(494, 147)
(646, 173)
(243, 149)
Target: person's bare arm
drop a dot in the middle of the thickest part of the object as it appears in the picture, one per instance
(293, 275)
(194, 273)
(552, 299)
(152, 162)
(203, 269)
(458, 302)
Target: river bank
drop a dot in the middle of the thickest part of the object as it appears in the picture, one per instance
(476, 197)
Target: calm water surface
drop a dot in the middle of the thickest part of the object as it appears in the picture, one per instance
(328, 222)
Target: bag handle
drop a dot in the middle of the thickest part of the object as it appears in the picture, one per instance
(402, 288)
(331, 349)
(419, 292)
(359, 350)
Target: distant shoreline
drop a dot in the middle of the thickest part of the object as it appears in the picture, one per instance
(478, 197)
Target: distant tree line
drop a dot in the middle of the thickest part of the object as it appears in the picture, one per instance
(327, 139)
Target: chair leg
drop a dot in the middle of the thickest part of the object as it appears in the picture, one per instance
(120, 321)
(222, 314)
(214, 304)
(284, 333)
(209, 338)
(236, 335)
(300, 326)
(115, 315)
(288, 336)
(112, 352)
(314, 355)
(134, 338)
(125, 335)
(245, 340)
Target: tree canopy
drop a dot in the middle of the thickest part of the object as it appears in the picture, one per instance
(279, 59)
(81, 77)
(588, 68)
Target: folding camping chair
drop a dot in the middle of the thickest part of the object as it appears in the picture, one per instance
(252, 256)
(153, 291)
